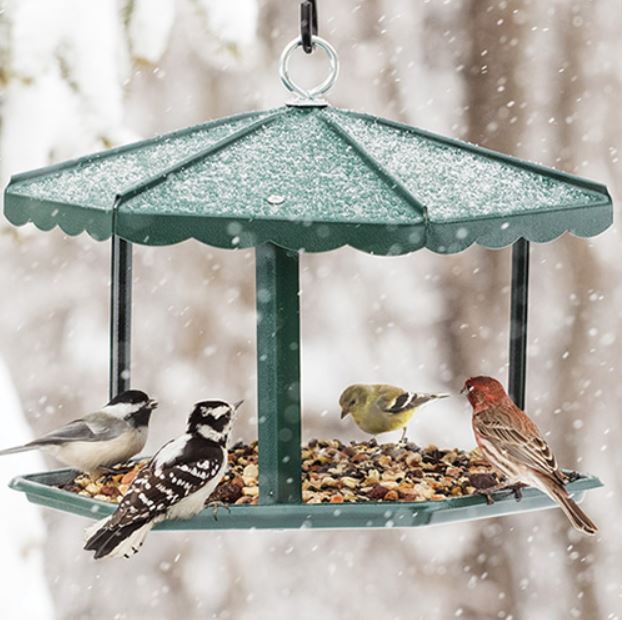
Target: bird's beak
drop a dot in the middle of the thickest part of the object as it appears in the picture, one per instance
(463, 390)
(344, 414)
(237, 404)
(442, 395)
(152, 404)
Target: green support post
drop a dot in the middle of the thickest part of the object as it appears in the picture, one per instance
(278, 375)
(120, 316)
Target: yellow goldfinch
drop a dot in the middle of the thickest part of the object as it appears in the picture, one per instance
(382, 408)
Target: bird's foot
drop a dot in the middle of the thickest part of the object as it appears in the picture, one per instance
(122, 468)
(488, 492)
(488, 495)
(215, 506)
(412, 447)
(571, 476)
(514, 489)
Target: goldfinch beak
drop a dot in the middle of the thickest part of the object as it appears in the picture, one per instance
(344, 414)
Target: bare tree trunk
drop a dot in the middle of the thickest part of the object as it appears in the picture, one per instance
(388, 82)
(584, 269)
(477, 282)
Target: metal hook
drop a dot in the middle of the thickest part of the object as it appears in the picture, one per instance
(309, 97)
(309, 24)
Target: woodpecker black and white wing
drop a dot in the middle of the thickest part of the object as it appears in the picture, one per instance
(176, 484)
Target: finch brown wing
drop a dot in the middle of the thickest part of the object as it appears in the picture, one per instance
(517, 436)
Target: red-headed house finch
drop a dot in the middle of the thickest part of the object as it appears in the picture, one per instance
(513, 444)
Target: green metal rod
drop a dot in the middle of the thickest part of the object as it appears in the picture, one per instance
(278, 375)
(120, 316)
(518, 344)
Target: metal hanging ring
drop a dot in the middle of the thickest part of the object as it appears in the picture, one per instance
(323, 87)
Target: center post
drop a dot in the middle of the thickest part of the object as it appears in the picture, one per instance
(278, 375)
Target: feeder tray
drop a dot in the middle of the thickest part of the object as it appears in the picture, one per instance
(304, 178)
(42, 489)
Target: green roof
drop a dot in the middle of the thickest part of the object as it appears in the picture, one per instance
(312, 179)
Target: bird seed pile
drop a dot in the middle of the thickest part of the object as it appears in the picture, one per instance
(332, 473)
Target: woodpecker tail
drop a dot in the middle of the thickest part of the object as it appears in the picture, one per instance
(116, 541)
(17, 449)
(577, 517)
(90, 531)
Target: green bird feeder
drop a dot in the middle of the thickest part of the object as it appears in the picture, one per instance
(306, 177)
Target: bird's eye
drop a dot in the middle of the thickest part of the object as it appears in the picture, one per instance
(352, 402)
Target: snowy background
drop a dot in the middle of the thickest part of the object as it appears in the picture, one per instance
(540, 80)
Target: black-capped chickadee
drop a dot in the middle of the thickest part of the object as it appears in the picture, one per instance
(175, 484)
(111, 435)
